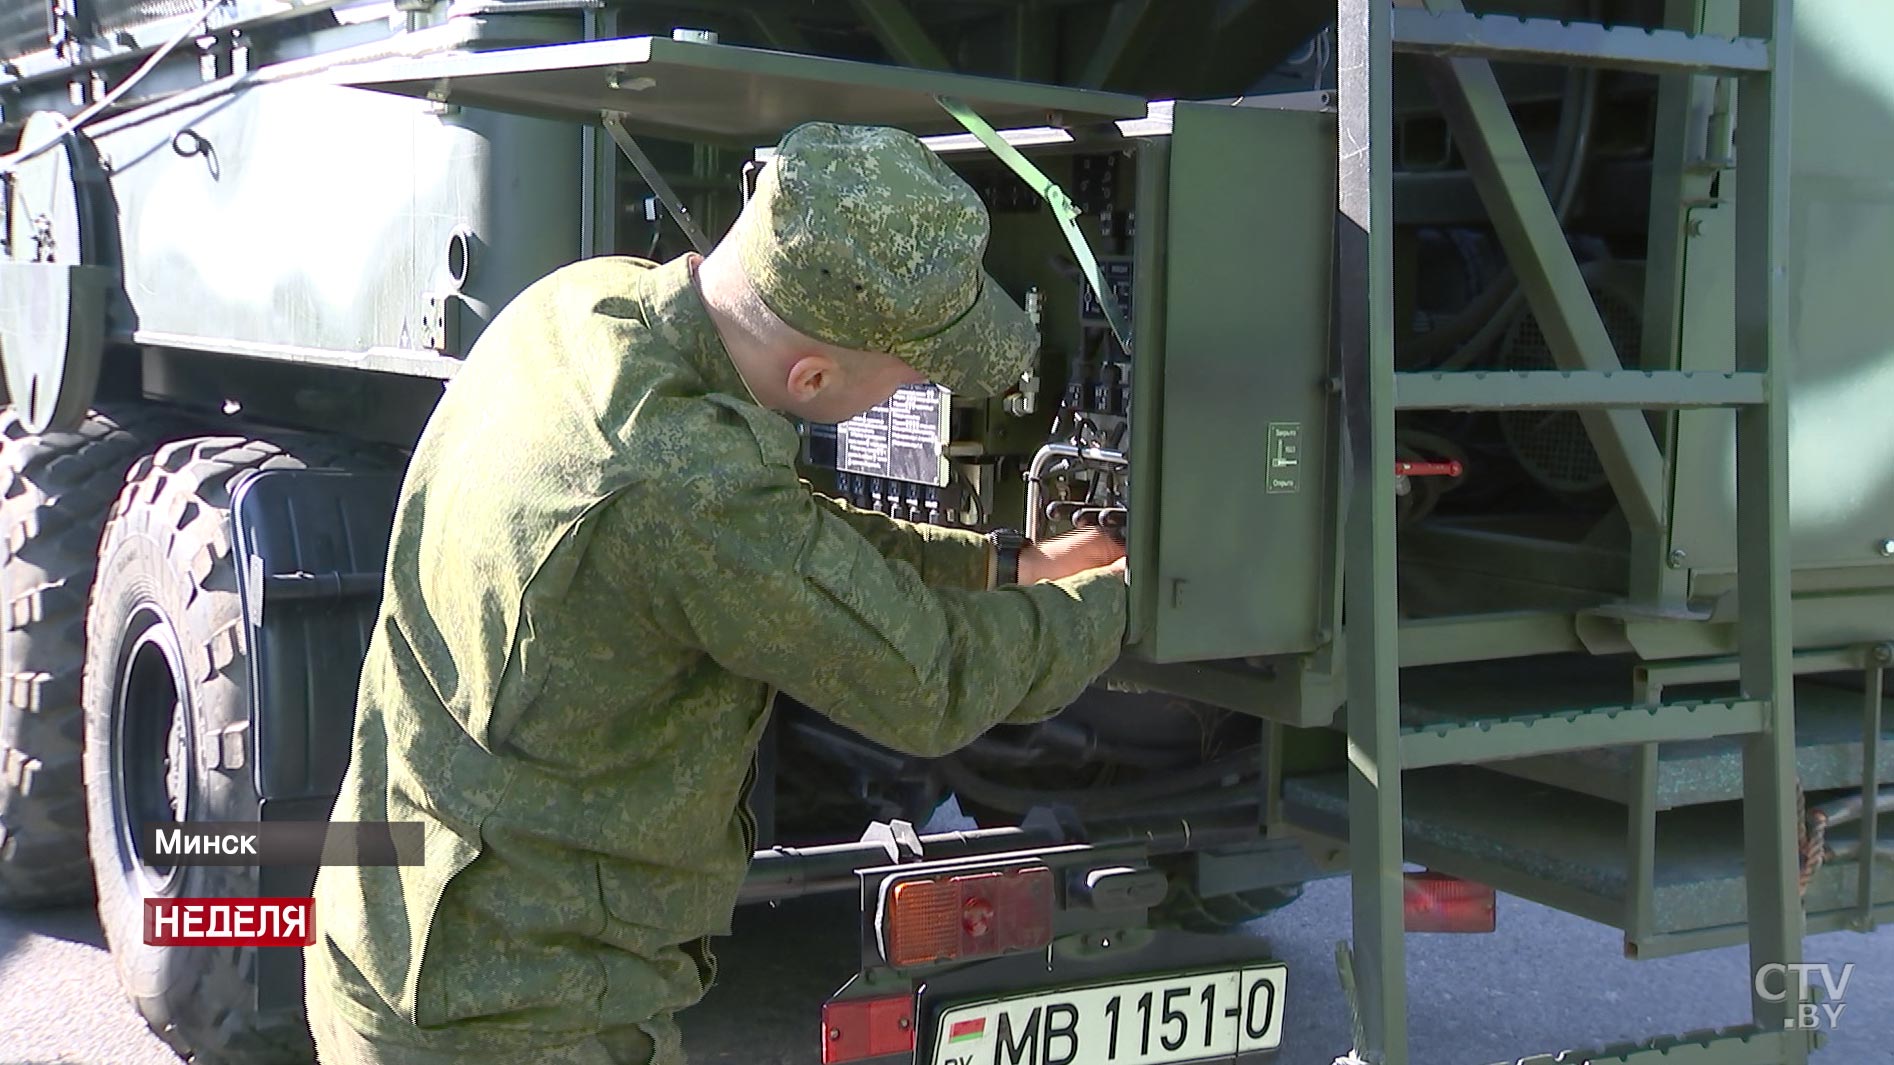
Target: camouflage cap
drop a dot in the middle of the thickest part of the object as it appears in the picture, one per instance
(859, 236)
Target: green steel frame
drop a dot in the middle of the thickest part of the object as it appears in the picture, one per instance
(1457, 48)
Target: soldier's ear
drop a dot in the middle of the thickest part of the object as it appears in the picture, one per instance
(810, 375)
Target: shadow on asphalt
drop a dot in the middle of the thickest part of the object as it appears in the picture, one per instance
(74, 924)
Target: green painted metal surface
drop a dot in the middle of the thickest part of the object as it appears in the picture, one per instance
(1245, 430)
(1365, 349)
(1264, 418)
(1570, 851)
(1574, 390)
(1841, 326)
(710, 92)
(1746, 1045)
(1829, 756)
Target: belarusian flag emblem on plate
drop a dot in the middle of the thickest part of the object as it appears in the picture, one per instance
(965, 1030)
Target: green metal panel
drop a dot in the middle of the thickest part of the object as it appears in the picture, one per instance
(1151, 267)
(714, 92)
(1246, 418)
(1841, 327)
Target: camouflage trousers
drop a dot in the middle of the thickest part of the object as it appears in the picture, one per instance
(338, 1042)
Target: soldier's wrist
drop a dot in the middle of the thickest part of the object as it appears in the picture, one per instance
(1008, 547)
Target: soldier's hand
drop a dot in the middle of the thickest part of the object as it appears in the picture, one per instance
(1075, 552)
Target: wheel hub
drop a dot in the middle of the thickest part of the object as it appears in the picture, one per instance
(152, 768)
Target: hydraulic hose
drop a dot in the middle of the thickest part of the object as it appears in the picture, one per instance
(1471, 331)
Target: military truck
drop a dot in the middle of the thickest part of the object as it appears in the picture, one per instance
(1445, 390)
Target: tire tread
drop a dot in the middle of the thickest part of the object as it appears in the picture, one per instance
(59, 488)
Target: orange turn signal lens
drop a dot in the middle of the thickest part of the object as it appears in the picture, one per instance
(971, 915)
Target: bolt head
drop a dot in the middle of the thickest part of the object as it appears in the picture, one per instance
(1676, 558)
(1886, 548)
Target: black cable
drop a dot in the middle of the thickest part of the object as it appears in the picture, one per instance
(967, 783)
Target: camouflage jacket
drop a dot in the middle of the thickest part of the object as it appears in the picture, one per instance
(603, 567)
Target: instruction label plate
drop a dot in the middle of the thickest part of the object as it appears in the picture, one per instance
(904, 438)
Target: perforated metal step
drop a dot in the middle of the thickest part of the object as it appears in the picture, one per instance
(1573, 852)
(1747, 1045)
(1541, 40)
(1689, 772)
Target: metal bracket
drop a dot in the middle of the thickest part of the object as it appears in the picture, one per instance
(614, 122)
(1063, 209)
(903, 843)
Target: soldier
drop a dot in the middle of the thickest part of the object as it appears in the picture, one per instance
(604, 567)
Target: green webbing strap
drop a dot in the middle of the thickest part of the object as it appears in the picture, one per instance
(1062, 206)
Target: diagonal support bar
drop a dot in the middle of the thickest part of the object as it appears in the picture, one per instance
(906, 40)
(1129, 19)
(1477, 116)
(1063, 209)
(614, 122)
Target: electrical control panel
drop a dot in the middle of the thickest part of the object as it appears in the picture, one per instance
(1229, 513)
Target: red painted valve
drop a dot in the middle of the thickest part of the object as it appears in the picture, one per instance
(1427, 469)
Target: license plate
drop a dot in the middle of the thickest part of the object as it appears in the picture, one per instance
(1196, 1017)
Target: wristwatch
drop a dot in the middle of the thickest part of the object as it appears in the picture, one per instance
(1007, 544)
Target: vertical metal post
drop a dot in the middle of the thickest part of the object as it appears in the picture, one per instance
(1365, 333)
(1870, 783)
(598, 163)
(1762, 511)
(1642, 811)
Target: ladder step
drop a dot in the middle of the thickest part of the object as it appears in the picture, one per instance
(1543, 40)
(1526, 735)
(1576, 853)
(1746, 1045)
(1576, 390)
(1827, 750)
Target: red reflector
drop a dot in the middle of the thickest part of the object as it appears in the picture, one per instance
(973, 915)
(853, 1029)
(1436, 902)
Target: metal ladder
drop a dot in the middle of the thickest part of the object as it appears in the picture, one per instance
(1458, 47)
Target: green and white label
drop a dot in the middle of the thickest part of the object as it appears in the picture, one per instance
(1285, 458)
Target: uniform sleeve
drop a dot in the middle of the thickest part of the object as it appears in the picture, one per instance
(781, 589)
(945, 558)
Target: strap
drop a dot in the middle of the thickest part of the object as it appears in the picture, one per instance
(1062, 206)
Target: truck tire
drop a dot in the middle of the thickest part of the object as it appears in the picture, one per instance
(57, 489)
(166, 684)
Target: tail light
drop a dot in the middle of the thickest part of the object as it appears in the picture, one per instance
(1436, 902)
(854, 1029)
(968, 915)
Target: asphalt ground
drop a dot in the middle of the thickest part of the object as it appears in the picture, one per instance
(1544, 981)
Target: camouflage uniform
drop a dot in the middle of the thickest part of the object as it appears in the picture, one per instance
(603, 567)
